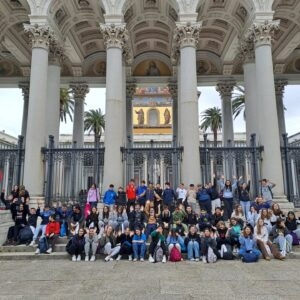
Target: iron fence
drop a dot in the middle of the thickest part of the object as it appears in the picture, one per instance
(291, 166)
(237, 160)
(70, 171)
(11, 165)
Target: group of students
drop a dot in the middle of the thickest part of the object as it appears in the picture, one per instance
(124, 226)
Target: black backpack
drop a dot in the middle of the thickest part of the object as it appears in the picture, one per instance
(25, 234)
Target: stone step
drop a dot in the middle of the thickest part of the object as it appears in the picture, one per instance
(60, 247)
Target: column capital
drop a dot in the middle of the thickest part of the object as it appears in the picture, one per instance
(185, 35)
(173, 89)
(56, 54)
(225, 88)
(115, 36)
(130, 89)
(41, 35)
(246, 50)
(279, 86)
(262, 33)
(24, 86)
(79, 90)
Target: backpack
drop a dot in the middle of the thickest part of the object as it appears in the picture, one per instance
(295, 238)
(226, 252)
(175, 255)
(158, 254)
(43, 244)
(211, 256)
(249, 257)
(70, 247)
(25, 234)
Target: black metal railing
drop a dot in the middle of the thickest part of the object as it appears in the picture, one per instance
(237, 160)
(11, 165)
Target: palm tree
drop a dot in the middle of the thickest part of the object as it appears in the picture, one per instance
(212, 119)
(94, 121)
(238, 102)
(66, 103)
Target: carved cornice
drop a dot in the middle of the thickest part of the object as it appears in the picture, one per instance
(115, 36)
(79, 90)
(41, 36)
(225, 88)
(185, 35)
(262, 33)
(279, 87)
(24, 86)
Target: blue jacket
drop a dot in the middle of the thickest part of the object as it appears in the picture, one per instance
(247, 244)
(110, 197)
(168, 196)
(44, 215)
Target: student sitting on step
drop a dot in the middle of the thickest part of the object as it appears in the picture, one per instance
(91, 244)
(75, 246)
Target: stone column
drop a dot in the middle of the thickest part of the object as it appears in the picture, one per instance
(225, 89)
(25, 91)
(35, 133)
(173, 91)
(248, 57)
(268, 132)
(79, 90)
(185, 36)
(53, 92)
(115, 37)
(279, 91)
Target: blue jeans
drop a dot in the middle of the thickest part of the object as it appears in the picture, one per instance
(193, 249)
(281, 241)
(246, 207)
(37, 231)
(243, 251)
(139, 250)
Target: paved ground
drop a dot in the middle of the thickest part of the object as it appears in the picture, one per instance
(62, 279)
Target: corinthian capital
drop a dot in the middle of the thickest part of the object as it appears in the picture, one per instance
(187, 34)
(130, 89)
(246, 50)
(41, 36)
(262, 33)
(115, 36)
(24, 86)
(56, 54)
(279, 86)
(225, 88)
(79, 90)
(173, 89)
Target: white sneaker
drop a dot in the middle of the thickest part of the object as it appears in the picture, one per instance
(283, 253)
(130, 257)
(108, 258)
(93, 258)
(141, 259)
(86, 258)
(164, 260)
(79, 258)
(49, 251)
(204, 260)
(74, 258)
(151, 259)
(192, 259)
(37, 251)
(119, 257)
(197, 259)
(135, 259)
(32, 243)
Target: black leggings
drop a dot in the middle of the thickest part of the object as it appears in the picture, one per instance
(153, 246)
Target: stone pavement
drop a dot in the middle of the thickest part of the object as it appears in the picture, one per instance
(63, 279)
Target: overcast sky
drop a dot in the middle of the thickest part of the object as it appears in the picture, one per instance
(11, 107)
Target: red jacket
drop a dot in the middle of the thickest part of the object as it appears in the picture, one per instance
(130, 191)
(52, 227)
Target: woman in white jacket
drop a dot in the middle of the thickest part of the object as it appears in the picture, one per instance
(266, 247)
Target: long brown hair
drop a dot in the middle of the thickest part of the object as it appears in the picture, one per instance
(259, 227)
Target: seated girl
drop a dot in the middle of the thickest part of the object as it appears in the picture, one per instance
(139, 245)
(276, 213)
(151, 218)
(192, 243)
(174, 240)
(105, 218)
(234, 233)
(291, 224)
(248, 243)
(92, 219)
(221, 235)
(125, 241)
(252, 216)
(157, 238)
(266, 216)
(207, 240)
(120, 219)
(239, 215)
(75, 246)
(264, 245)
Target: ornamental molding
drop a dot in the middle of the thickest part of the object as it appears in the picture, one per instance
(185, 35)
(41, 35)
(130, 89)
(173, 89)
(225, 88)
(246, 50)
(24, 86)
(79, 90)
(262, 34)
(56, 54)
(115, 36)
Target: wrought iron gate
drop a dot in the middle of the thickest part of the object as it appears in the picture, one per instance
(156, 162)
